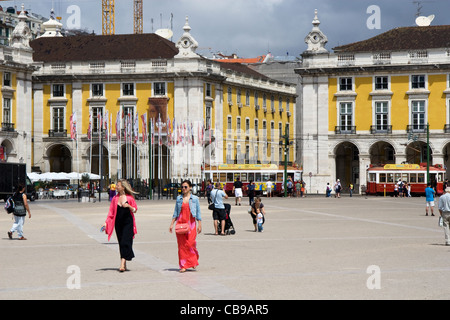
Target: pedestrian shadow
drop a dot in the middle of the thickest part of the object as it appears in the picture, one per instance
(108, 269)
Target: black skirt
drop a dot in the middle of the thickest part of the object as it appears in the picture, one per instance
(124, 231)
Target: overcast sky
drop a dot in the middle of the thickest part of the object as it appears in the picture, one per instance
(251, 28)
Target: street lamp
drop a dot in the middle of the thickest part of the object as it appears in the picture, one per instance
(287, 144)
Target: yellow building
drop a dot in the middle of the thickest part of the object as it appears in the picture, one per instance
(372, 101)
(16, 116)
(208, 111)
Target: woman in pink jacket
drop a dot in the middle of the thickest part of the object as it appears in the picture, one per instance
(121, 218)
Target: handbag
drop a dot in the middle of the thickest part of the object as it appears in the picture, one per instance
(182, 228)
(212, 206)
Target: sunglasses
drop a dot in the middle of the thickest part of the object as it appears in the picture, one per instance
(185, 187)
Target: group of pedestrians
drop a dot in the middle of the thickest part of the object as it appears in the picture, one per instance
(123, 207)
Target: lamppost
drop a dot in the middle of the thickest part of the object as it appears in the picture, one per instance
(428, 153)
(287, 144)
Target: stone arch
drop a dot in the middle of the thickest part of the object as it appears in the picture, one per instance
(8, 148)
(59, 158)
(381, 153)
(347, 156)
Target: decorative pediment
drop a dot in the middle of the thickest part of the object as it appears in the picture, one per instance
(187, 45)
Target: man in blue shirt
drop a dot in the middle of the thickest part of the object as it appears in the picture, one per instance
(219, 213)
(429, 194)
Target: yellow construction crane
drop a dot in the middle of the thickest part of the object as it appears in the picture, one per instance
(138, 17)
(108, 20)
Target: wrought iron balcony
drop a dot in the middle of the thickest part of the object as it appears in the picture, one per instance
(57, 133)
(7, 127)
(345, 130)
(416, 128)
(381, 129)
(447, 128)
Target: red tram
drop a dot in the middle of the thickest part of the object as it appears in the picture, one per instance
(381, 180)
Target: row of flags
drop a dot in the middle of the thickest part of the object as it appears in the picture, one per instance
(127, 125)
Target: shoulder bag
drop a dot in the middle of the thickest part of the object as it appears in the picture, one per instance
(182, 228)
(212, 206)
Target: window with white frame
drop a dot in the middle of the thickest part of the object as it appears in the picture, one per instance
(7, 79)
(264, 129)
(229, 128)
(288, 103)
(58, 119)
(230, 95)
(346, 116)
(128, 89)
(346, 84)
(128, 116)
(159, 89)
(418, 115)
(381, 115)
(97, 89)
(238, 96)
(381, 83)
(58, 91)
(247, 98)
(208, 117)
(97, 118)
(208, 90)
(229, 153)
(256, 98)
(247, 126)
(272, 130)
(238, 127)
(7, 112)
(256, 127)
(418, 82)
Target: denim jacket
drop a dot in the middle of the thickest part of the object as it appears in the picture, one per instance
(194, 206)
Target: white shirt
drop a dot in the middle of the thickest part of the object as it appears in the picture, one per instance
(259, 218)
(444, 203)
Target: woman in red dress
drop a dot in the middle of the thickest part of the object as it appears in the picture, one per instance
(187, 210)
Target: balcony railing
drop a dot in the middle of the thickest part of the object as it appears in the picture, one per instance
(57, 133)
(447, 128)
(416, 128)
(345, 130)
(381, 129)
(7, 127)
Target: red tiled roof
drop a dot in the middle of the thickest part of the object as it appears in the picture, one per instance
(243, 60)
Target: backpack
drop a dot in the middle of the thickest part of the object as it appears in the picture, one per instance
(10, 205)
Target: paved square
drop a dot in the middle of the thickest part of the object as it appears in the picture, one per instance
(311, 248)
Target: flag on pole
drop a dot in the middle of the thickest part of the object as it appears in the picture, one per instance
(89, 132)
(144, 127)
(153, 131)
(136, 127)
(160, 130)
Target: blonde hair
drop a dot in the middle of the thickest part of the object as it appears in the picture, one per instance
(127, 188)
